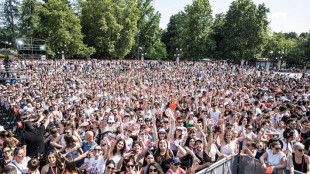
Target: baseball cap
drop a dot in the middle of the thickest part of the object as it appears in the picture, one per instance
(175, 160)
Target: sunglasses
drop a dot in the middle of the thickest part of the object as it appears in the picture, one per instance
(67, 132)
(300, 150)
(250, 128)
(6, 151)
(177, 164)
(153, 170)
(97, 149)
(166, 122)
(277, 148)
(110, 168)
(130, 166)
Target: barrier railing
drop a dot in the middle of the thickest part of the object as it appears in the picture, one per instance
(227, 166)
(240, 165)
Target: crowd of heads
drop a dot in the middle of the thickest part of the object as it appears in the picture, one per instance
(155, 117)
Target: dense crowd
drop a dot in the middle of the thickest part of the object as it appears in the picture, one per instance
(146, 117)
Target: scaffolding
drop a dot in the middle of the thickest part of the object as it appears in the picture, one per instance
(29, 51)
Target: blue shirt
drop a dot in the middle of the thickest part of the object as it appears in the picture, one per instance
(86, 147)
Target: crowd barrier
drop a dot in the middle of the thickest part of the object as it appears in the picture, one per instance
(223, 166)
(239, 165)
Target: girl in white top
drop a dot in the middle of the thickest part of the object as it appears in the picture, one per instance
(274, 156)
(20, 161)
(117, 150)
(228, 147)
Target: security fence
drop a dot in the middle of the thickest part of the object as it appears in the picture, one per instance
(239, 165)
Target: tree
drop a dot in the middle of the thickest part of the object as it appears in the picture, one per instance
(244, 30)
(217, 34)
(149, 32)
(110, 27)
(61, 29)
(11, 15)
(29, 18)
(172, 36)
(197, 42)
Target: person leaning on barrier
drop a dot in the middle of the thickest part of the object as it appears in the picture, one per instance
(298, 160)
(274, 156)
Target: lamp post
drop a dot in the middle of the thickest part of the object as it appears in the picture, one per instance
(63, 53)
(138, 35)
(8, 43)
(177, 54)
(142, 56)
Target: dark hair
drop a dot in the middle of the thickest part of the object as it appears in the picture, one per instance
(9, 143)
(188, 141)
(70, 165)
(59, 164)
(167, 154)
(69, 140)
(282, 108)
(157, 166)
(110, 162)
(6, 134)
(29, 126)
(289, 121)
(33, 164)
(9, 170)
(122, 150)
(288, 133)
(16, 150)
(240, 120)
(145, 156)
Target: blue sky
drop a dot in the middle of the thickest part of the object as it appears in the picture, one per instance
(284, 15)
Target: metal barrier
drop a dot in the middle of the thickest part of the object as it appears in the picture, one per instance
(252, 165)
(239, 165)
(223, 166)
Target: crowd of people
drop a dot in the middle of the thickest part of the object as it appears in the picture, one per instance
(147, 117)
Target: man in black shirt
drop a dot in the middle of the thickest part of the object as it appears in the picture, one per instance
(33, 140)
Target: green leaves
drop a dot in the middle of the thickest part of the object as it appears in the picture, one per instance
(62, 30)
(244, 30)
(110, 27)
(191, 31)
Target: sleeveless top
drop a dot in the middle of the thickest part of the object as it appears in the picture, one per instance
(226, 150)
(179, 171)
(205, 158)
(258, 155)
(62, 141)
(300, 167)
(56, 170)
(145, 169)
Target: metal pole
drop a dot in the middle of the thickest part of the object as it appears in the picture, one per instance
(138, 35)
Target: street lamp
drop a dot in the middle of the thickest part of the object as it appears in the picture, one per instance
(177, 54)
(7, 43)
(142, 56)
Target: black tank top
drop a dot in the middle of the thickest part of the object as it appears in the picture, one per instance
(54, 168)
(205, 158)
(300, 167)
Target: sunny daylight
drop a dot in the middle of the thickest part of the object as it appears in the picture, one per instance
(154, 86)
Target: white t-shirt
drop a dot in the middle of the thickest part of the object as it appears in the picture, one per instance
(215, 115)
(274, 159)
(96, 166)
(129, 142)
(21, 168)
